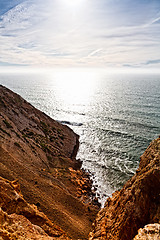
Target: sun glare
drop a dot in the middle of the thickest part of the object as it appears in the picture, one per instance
(73, 3)
(74, 86)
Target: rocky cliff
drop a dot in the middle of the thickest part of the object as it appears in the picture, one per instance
(149, 232)
(20, 220)
(40, 153)
(135, 205)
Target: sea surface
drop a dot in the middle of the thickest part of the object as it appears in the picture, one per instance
(116, 114)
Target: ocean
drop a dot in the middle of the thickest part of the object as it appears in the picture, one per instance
(116, 114)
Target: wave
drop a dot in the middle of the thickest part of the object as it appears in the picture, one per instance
(71, 112)
(124, 135)
(71, 123)
(117, 133)
(131, 123)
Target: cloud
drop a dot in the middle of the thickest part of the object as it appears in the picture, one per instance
(156, 20)
(155, 61)
(6, 5)
(99, 33)
(95, 52)
(11, 64)
(16, 19)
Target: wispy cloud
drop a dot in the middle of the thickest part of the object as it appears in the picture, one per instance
(155, 61)
(95, 52)
(155, 20)
(97, 33)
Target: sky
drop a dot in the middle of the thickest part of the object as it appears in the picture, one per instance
(80, 33)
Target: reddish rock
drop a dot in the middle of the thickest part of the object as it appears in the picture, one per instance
(20, 220)
(40, 152)
(149, 232)
(137, 204)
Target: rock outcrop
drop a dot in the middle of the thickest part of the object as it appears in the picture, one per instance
(40, 153)
(136, 204)
(149, 232)
(20, 220)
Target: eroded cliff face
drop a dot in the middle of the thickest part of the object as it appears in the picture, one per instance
(40, 153)
(20, 220)
(136, 204)
(149, 232)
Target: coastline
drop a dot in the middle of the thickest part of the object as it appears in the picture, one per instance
(111, 142)
(136, 205)
(38, 155)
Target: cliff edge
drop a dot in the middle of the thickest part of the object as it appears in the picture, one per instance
(40, 153)
(135, 205)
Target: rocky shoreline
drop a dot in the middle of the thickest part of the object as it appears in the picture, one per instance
(38, 156)
(136, 204)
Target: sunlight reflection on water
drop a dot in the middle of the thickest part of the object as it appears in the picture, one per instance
(116, 116)
(74, 87)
